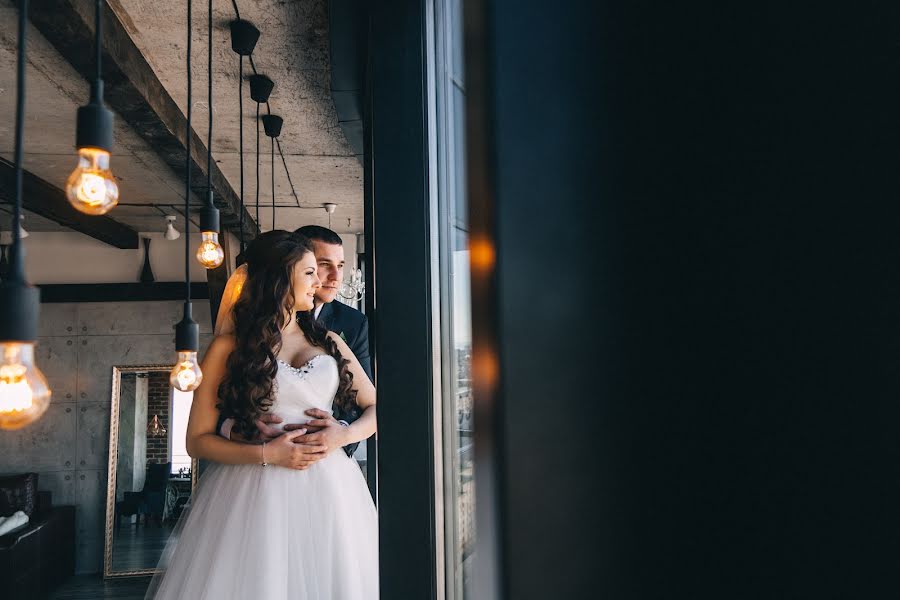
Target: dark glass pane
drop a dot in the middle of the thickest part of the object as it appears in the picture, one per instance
(459, 482)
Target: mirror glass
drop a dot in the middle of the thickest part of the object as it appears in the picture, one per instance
(151, 476)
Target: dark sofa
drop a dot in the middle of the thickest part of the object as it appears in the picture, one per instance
(40, 556)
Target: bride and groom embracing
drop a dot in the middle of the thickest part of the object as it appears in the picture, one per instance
(282, 512)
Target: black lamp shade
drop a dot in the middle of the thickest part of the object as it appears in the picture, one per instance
(244, 36)
(20, 305)
(94, 127)
(272, 125)
(187, 332)
(260, 88)
(209, 217)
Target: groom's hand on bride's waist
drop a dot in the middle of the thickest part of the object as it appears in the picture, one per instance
(264, 424)
(322, 430)
(267, 432)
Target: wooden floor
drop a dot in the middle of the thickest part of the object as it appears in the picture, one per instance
(92, 587)
(139, 547)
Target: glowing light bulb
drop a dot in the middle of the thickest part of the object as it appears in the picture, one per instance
(91, 188)
(24, 393)
(210, 253)
(186, 375)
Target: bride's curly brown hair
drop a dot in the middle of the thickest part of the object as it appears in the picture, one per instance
(259, 314)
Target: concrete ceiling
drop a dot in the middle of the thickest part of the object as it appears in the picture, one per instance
(54, 93)
(293, 51)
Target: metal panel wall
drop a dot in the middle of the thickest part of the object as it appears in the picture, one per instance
(402, 300)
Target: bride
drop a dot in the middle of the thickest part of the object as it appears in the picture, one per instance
(262, 524)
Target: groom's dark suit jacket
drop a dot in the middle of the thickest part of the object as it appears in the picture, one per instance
(353, 326)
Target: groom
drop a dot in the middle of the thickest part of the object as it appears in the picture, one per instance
(338, 317)
(344, 320)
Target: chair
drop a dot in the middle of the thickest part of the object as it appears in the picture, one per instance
(130, 505)
(154, 492)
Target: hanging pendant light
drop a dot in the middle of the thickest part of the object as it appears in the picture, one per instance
(155, 428)
(210, 253)
(244, 36)
(329, 207)
(260, 88)
(172, 234)
(6, 236)
(272, 124)
(92, 188)
(24, 392)
(186, 374)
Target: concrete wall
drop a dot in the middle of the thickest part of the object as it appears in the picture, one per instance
(71, 257)
(68, 447)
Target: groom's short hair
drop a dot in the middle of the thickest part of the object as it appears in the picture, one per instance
(320, 234)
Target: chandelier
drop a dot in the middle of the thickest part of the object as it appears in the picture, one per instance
(354, 288)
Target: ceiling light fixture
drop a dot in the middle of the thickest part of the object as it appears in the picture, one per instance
(172, 234)
(272, 124)
(155, 428)
(260, 88)
(24, 392)
(6, 236)
(186, 374)
(329, 207)
(210, 253)
(243, 40)
(92, 188)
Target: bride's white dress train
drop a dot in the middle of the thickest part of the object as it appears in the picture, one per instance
(276, 533)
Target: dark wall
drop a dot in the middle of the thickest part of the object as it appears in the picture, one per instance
(698, 302)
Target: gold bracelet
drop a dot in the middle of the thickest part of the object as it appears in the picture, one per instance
(264, 463)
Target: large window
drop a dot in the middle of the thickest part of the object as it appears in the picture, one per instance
(181, 412)
(455, 313)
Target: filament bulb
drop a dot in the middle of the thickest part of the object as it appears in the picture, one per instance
(210, 253)
(91, 188)
(186, 374)
(24, 393)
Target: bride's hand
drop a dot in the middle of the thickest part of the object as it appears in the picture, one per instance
(325, 431)
(284, 452)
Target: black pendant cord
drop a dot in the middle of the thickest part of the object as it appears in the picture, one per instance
(98, 36)
(241, 138)
(257, 164)
(17, 260)
(237, 13)
(273, 183)
(209, 87)
(187, 169)
(94, 124)
(187, 332)
(290, 181)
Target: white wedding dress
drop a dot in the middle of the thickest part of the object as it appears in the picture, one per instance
(276, 533)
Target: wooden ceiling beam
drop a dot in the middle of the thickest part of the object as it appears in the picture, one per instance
(136, 94)
(44, 199)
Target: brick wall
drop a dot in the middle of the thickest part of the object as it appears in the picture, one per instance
(158, 404)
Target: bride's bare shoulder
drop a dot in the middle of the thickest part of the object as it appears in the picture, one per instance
(221, 345)
(337, 339)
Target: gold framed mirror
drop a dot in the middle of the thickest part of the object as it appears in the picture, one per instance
(151, 477)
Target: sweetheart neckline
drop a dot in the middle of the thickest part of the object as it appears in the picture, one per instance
(300, 370)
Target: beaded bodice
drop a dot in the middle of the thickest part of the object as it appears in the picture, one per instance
(297, 389)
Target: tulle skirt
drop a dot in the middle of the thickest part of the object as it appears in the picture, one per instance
(275, 533)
